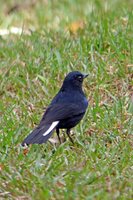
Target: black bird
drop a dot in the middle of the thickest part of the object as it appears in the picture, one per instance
(64, 112)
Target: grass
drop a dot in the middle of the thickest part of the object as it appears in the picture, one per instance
(90, 36)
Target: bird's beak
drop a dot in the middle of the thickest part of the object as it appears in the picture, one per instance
(85, 75)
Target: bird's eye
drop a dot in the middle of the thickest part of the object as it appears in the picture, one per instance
(79, 77)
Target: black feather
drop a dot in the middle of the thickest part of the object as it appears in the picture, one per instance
(36, 136)
(68, 107)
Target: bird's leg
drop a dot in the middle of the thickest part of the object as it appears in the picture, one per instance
(68, 133)
(64, 136)
(58, 133)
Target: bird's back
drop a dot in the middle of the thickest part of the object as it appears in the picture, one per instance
(75, 97)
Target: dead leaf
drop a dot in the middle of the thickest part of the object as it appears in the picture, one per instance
(90, 131)
(54, 140)
(25, 151)
(108, 183)
(75, 26)
(60, 184)
(124, 21)
(108, 144)
(1, 167)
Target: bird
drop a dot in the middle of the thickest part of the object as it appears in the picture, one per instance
(64, 112)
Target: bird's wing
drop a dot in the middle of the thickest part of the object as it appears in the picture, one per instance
(58, 111)
(50, 120)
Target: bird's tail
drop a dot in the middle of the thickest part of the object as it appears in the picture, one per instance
(40, 135)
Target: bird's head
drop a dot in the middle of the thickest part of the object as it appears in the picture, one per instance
(74, 80)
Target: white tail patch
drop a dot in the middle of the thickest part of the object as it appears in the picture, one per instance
(53, 125)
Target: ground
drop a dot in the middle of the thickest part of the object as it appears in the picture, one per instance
(93, 37)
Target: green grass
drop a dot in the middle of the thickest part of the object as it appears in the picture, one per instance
(100, 163)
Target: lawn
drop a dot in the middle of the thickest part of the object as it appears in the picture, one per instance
(94, 37)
